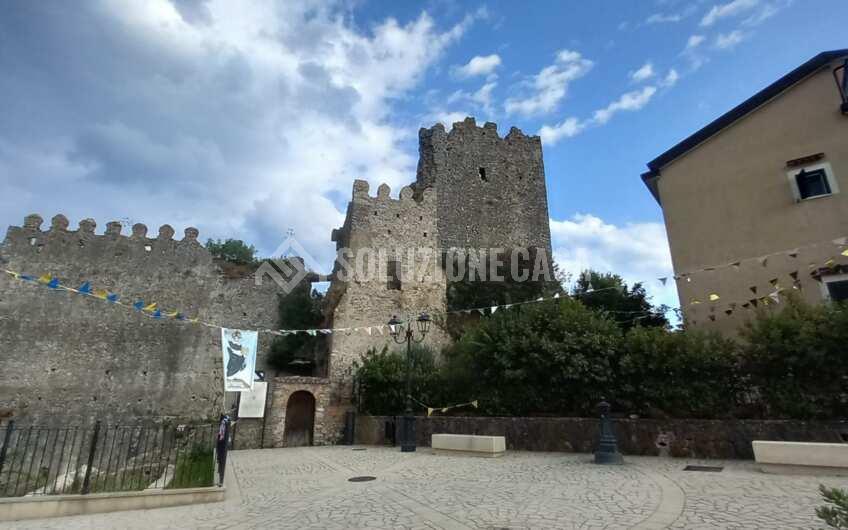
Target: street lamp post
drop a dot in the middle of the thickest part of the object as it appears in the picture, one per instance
(401, 333)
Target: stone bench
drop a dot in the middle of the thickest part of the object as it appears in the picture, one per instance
(469, 444)
(802, 457)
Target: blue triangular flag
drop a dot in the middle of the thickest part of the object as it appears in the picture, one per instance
(85, 288)
(157, 314)
(27, 278)
(53, 283)
(139, 305)
(112, 297)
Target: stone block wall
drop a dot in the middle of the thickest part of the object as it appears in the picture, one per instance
(490, 191)
(71, 358)
(676, 438)
(378, 230)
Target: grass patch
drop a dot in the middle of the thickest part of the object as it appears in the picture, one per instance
(195, 469)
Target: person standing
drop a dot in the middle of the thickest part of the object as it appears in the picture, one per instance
(221, 443)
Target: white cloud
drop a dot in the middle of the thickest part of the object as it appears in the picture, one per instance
(242, 122)
(694, 41)
(569, 128)
(481, 98)
(670, 79)
(550, 85)
(630, 101)
(767, 11)
(643, 73)
(636, 251)
(726, 41)
(662, 18)
(729, 9)
(479, 65)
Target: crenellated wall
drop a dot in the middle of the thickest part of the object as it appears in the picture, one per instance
(76, 357)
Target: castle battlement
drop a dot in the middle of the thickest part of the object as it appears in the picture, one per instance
(31, 234)
(468, 127)
(407, 195)
(61, 250)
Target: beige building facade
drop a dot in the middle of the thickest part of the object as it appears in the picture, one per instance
(756, 203)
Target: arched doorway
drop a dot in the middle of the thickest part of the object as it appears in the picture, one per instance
(300, 419)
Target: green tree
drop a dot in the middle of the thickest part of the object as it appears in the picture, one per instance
(232, 250)
(299, 353)
(835, 512)
(548, 358)
(629, 306)
(795, 358)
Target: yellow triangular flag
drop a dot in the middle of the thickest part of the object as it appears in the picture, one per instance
(172, 313)
(429, 411)
(45, 279)
(101, 294)
(714, 297)
(151, 307)
(845, 252)
(474, 403)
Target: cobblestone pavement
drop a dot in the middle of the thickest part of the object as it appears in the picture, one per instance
(309, 488)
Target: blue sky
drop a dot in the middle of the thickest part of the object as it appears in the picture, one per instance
(246, 122)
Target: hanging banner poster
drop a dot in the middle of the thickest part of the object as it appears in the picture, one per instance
(252, 403)
(239, 347)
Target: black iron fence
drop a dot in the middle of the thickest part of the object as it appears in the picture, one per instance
(105, 458)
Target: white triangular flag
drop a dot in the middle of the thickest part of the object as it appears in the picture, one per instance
(493, 309)
(311, 332)
(540, 299)
(775, 296)
(368, 330)
(392, 328)
(481, 311)
(556, 295)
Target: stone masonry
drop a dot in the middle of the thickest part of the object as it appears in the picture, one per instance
(76, 358)
(474, 190)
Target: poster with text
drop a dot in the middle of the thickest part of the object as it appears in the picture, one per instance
(239, 347)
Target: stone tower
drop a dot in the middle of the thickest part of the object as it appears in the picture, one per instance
(474, 190)
(490, 191)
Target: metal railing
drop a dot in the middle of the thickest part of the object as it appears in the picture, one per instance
(101, 458)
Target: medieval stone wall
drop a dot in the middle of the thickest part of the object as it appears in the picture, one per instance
(71, 358)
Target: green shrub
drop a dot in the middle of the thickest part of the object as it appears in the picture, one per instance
(690, 375)
(382, 380)
(795, 359)
(835, 512)
(550, 358)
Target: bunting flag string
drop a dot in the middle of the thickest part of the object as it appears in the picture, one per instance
(762, 260)
(153, 310)
(431, 410)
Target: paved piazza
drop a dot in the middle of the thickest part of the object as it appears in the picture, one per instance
(308, 488)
